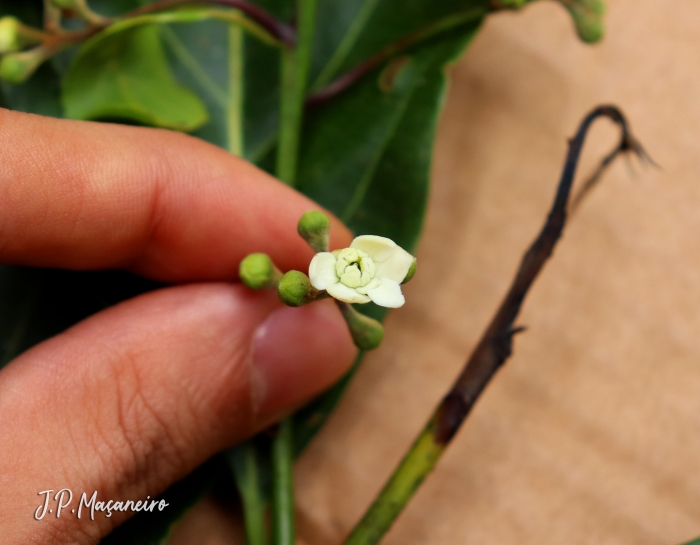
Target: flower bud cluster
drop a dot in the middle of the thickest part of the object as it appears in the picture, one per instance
(17, 65)
(371, 269)
(24, 48)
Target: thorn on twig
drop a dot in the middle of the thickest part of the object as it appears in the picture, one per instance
(628, 146)
(515, 330)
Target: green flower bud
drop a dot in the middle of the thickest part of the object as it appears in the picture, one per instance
(588, 18)
(18, 67)
(314, 227)
(295, 289)
(367, 333)
(411, 272)
(14, 36)
(257, 271)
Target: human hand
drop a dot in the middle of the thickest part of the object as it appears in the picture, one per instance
(135, 397)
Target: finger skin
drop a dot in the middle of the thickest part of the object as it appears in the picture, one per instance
(135, 397)
(84, 195)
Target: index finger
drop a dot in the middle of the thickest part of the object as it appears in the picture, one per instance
(83, 195)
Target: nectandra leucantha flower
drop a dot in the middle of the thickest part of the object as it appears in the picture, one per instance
(371, 269)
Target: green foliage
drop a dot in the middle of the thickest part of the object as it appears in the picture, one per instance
(364, 154)
(125, 75)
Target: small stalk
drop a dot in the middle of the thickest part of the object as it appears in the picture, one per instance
(277, 29)
(244, 462)
(295, 65)
(283, 531)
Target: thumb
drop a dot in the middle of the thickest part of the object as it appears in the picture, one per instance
(135, 397)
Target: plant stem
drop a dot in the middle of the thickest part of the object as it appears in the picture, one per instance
(244, 461)
(196, 15)
(279, 30)
(283, 531)
(236, 93)
(55, 43)
(416, 465)
(295, 72)
(490, 354)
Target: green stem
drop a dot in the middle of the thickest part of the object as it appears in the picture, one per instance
(295, 74)
(196, 15)
(236, 91)
(416, 465)
(244, 461)
(283, 532)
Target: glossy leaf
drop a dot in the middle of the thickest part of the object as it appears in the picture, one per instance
(360, 28)
(126, 75)
(374, 171)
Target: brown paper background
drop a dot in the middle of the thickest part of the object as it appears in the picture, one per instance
(591, 432)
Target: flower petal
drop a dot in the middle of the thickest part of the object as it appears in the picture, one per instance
(387, 294)
(395, 267)
(378, 248)
(343, 293)
(322, 270)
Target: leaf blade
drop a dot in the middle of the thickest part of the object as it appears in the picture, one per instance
(126, 75)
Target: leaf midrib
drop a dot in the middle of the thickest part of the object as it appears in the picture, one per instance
(346, 45)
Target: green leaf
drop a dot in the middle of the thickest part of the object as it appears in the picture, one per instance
(124, 74)
(353, 30)
(366, 156)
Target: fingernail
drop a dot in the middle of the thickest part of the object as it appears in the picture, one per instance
(297, 353)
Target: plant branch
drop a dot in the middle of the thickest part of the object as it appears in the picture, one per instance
(341, 83)
(489, 355)
(283, 531)
(244, 462)
(281, 31)
(295, 72)
(60, 39)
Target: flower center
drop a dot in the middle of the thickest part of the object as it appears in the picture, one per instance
(354, 268)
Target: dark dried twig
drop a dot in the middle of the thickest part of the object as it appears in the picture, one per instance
(493, 349)
(627, 143)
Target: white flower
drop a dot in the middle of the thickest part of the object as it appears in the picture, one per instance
(371, 269)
